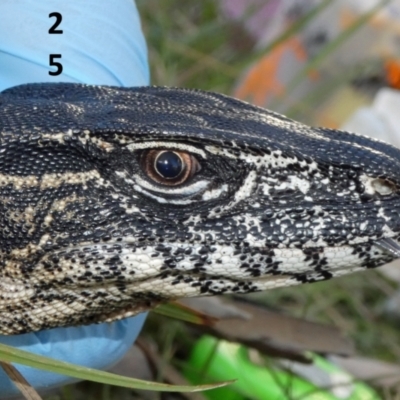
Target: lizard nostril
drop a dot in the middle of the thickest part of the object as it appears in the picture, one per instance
(383, 186)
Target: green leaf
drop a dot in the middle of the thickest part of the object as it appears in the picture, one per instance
(11, 354)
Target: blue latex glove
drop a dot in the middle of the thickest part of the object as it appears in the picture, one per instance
(102, 43)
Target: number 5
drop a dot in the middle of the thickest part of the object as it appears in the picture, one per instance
(56, 64)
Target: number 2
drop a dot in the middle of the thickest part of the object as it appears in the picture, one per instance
(54, 29)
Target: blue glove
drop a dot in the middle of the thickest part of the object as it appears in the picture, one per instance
(101, 43)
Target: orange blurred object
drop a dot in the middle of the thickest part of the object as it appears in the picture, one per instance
(262, 82)
(392, 69)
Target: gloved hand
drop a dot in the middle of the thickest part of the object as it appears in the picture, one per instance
(101, 43)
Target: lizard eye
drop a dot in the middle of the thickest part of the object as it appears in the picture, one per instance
(169, 167)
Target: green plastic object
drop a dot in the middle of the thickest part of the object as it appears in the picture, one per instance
(212, 359)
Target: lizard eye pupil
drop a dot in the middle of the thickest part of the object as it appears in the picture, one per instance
(168, 165)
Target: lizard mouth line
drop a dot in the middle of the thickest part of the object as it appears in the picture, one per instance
(390, 246)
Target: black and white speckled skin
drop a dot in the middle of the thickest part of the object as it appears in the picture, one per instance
(87, 236)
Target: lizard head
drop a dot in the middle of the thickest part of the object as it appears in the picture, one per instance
(116, 199)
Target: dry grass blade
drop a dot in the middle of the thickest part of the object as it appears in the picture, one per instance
(381, 373)
(20, 382)
(277, 334)
(182, 312)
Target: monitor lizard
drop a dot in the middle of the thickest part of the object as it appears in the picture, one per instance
(114, 200)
